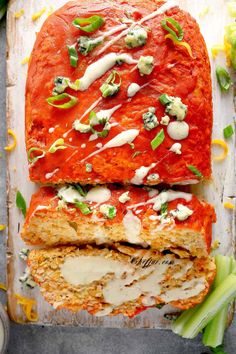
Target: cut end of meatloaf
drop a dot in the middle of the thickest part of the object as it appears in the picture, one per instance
(119, 281)
(52, 221)
(175, 72)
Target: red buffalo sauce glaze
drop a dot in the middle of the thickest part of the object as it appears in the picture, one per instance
(201, 220)
(175, 73)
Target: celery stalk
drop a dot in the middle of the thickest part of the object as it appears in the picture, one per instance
(180, 323)
(214, 332)
(216, 301)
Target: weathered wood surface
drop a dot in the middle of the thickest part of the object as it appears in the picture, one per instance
(20, 36)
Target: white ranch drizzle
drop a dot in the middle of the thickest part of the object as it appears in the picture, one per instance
(133, 89)
(107, 113)
(141, 173)
(51, 174)
(98, 194)
(121, 139)
(162, 198)
(97, 69)
(132, 226)
(162, 9)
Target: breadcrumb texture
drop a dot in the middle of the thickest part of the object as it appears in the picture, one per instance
(45, 266)
(175, 73)
(48, 223)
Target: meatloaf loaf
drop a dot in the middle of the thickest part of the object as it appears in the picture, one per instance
(167, 220)
(124, 280)
(130, 101)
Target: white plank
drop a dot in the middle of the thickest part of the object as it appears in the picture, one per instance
(21, 36)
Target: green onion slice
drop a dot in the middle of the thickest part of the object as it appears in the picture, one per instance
(71, 103)
(82, 191)
(165, 99)
(164, 208)
(83, 208)
(223, 79)
(73, 55)
(110, 87)
(20, 203)
(57, 145)
(89, 24)
(158, 140)
(175, 30)
(195, 171)
(111, 212)
(228, 131)
(33, 159)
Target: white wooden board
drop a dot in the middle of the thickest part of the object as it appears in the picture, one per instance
(21, 36)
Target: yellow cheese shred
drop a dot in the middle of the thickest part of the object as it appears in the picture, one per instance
(13, 145)
(2, 227)
(229, 205)
(216, 49)
(27, 305)
(25, 60)
(183, 44)
(38, 14)
(19, 13)
(3, 287)
(204, 11)
(224, 146)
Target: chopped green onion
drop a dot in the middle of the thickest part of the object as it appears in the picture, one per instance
(223, 79)
(195, 171)
(82, 191)
(214, 331)
(35, 158)
(88, 167)
(73, 55)
(111, 212)
(57, 145)
(136, 153)
(165, 99)
(228, 131)
(89, 24)
(87, 44)
(84, 208)
(103, 134)
(158, 140)
(177, 32)
(215, 302)
(110, 88)
(20, 203)
(164, 208)
(71, 103)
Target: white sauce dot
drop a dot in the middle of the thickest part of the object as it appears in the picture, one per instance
(178, 130)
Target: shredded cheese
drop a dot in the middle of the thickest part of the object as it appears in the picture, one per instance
(13, 145)
(38, 14)
(2, 227)
(225, 148)
(27, 305)
(215, 245)
(183, 44)
(229, 205)
(3, 287)
(216, 49)
(25, 61)
(204, 11)
(51, 10)
(19, 13)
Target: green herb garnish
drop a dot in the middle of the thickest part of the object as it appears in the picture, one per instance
(57, 145)
(73, 55)
(89, 24)
(69, 104)
(195, 171)
(20, 203)
(37, 157)
(84, 208)
(164, 208)
(82, 191)
(228, 131)
(223, 79)
(110, 87)
(165, 99)
(175, 30)
(158, 140)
